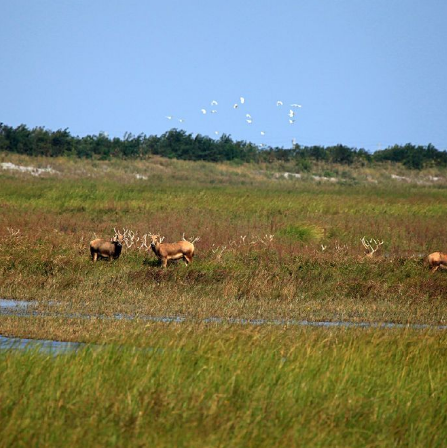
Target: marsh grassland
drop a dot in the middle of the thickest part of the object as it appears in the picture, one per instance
(196, 384)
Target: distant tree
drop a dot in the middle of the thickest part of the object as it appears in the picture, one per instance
(20, 139)
(61, 143)
(414, 157)
(318, 153)
(341, 154)
(5, 131)
(178, 144)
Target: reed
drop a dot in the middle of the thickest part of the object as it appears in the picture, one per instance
(224, 386)
(269, 248)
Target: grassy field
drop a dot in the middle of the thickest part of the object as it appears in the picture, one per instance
(290, 277)
(219, 386)
(270, 248)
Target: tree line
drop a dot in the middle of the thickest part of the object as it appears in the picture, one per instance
(179, 144)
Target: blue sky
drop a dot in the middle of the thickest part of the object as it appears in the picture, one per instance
(368, 73)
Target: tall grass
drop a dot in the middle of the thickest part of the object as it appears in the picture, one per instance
(314, 268)
(209, 385)
(201, 387)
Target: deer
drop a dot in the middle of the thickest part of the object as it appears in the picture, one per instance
(183, 249)
(107, 249)
(437, 260)
(368, 245)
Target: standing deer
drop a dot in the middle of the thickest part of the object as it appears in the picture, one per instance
(107, 249)
(172, 251)
(437, 260)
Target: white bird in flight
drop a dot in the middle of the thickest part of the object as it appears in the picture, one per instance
(235, 106)
(249, 121)
(262, 133)
(169, 117)
(291, 113)
(291, 121)
(214, 103)
(248, 115)
(181, 120)
(216, 132)
(242, 100)
(214, 111)
(295, 105)
(203, 111)
(279, 103)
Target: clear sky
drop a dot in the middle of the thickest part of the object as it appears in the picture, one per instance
(368, 73)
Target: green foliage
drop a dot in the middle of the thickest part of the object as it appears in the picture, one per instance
(180, 145)
(303, 233)
(412, 156)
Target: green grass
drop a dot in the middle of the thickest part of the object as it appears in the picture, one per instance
(201, 387)
(291, 277)
(223, 385)
(302, 232)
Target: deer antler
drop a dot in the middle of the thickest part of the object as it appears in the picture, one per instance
(117, 234)
(340, 247)
(219, 250)
(192, 240)
(266, 239)
(160, 238)
(129, 234)
(13, 232)
(368, 245)
(143, 240)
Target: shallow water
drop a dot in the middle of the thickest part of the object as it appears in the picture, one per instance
(42, 345)
(11, 307)
(15, 304)
(23, 308)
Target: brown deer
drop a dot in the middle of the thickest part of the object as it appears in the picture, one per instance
(437, 260)
(107, 249)
(172, 251)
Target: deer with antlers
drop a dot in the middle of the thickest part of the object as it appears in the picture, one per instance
(437, 260)
(111, 250)
(172, 251)
(371, 246)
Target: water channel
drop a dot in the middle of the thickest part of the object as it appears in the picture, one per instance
(9, 307)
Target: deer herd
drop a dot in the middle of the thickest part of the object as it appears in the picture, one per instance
(184, 249)
(111, 250)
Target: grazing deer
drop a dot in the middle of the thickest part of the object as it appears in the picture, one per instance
(437, 260)
(107, 249)
(172, 251)
(368, 245)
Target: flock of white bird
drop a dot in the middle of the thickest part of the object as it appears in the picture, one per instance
(248, 118)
